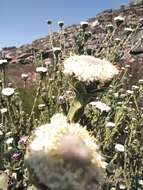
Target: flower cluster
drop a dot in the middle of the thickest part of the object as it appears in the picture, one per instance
(63, 155)
(89, 69)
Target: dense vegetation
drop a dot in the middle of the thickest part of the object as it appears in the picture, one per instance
(117, 123)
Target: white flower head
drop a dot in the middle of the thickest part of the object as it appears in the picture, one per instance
(56, 50)
(41, 70)
(140, 181)
(41, 106)
(101, 106)
(130, 92)
(8, 91)
(84, 24)
(116, 94)
(119, 18)
(89, 69)
(117, 39)
(3, 110)
(134, 87)
(24, 76)
(110, 125)
(1, 133)
(140, 19)
(128, 30)
(127, 66)
(3, 61)
(9, 141)
(64, 154)
(110, 26)
(119, 148)
(140, 81)
(122, 185)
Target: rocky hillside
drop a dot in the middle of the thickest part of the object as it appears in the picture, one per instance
(99, 27)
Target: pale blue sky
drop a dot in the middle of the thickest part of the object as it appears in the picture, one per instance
(22, 21)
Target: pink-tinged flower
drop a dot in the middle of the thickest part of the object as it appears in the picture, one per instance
(23, 140)
(15, 157)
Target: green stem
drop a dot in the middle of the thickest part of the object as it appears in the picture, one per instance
(35, 100)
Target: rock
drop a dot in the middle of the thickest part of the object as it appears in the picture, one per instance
(96, 43)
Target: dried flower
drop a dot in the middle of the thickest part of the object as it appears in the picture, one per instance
(63, 155)
(116, 94)
(122, 185)
(140, 81)
(128, 30)
(41, 70)
(110, 125)
(3, 110)
(24, 76)
(41, 106)
(9, 141)
(8, 91)
(119, 20)
(130, 92)
(117, 39)
(127, 66)
(67, 96)
(110, 27)
(101, 106)
(134, 87)
(119, 148)
(9, 84)
(89, 69)
(140, 181)
(56, 50)
(1, 133)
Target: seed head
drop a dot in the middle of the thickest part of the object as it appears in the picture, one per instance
(63, 155)
(89, 69)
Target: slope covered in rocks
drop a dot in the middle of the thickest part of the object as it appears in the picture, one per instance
(104, 38)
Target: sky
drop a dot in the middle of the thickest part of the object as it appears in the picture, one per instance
(22, 21)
